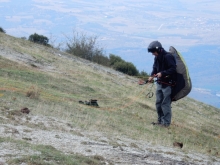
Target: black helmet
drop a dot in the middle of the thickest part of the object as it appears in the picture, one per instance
(154, 46)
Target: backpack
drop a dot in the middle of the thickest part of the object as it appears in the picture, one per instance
(183, 82)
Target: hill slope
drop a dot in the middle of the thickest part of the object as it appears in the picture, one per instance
(59, 130)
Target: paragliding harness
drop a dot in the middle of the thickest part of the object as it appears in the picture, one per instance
(150, 94)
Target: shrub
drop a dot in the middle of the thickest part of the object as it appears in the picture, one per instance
(143, 74)
(24, 38)
(126, 67)
(102, 60)
(40, 39)
(2, 30)
(120, 65)
(85, 47)
(114, 59)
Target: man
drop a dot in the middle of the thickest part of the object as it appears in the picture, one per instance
(164, 69)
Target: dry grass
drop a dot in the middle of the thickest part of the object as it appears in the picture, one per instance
(52, 85)
(33, 92)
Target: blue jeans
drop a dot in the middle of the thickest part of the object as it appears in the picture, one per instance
(163, 104)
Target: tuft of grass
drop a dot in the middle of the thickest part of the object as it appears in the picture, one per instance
(33, 92)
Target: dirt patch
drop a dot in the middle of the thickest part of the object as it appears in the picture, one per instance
(24, 58)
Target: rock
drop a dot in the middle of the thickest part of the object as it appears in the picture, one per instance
(25, 110)
(178, 144)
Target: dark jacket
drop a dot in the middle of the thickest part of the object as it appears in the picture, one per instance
(166, 64)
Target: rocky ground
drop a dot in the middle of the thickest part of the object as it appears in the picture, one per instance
(62, 136)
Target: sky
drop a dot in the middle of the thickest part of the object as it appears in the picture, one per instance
(183, 22)
(126, 28)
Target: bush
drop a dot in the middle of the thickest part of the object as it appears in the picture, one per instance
(102, 60)
(24, 38)
(126, 67)
(2, 30)
(114, 59)
(85, 47)
(40, 39)
(143, 74)
(120, 65)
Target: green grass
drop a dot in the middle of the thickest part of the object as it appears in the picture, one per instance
(48, 155)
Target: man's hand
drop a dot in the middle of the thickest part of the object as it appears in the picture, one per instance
(158, 75)
(141, 82)
(150, 79)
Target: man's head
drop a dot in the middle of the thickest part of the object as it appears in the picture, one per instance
(155, 47)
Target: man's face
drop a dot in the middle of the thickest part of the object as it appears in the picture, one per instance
(155, 54)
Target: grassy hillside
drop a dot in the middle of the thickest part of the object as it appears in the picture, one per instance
(51, 84)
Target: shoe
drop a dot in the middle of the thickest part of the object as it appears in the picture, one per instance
(156, 123)
(164, 125)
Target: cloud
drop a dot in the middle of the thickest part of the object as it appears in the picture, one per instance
(58, 8)
(5, 1)
(48, 1)
(42, 22)
(55, 5)
(20, 31)
(17, 18)
(203, 91)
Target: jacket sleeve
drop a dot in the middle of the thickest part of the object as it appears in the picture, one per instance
(154, 71)
(171, 65)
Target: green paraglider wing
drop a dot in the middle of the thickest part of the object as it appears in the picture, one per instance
(183, 82)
